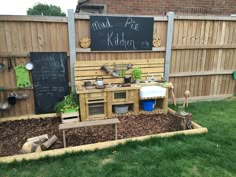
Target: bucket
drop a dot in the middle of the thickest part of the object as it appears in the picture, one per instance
(148, 105)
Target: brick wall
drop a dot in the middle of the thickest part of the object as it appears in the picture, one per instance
(160, 7)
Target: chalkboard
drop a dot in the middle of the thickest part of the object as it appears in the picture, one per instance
(121, 33)
(50, 79)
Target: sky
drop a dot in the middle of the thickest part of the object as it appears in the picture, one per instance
(19, 7)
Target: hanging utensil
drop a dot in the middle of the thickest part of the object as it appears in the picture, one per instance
(4, 104)
(2, 66)
(29, 66)
(14, 62)
(11, 99)
(10, 67)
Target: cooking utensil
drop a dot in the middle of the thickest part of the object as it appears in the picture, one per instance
(22, 96)
(2, 66)
(99, 81)
(10, 67)
(11, 99)
(29, 66)
(4, 104)
(87, 83)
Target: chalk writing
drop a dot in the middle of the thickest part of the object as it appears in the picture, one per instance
(101, 25)
(119, 40)
(121, 33)
(131, 23)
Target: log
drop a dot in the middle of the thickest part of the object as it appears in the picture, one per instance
(49, 142)
(29, 147)
(38, 139)
(185, 122)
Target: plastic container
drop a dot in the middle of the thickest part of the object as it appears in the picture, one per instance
(148, 105)
(121, 109)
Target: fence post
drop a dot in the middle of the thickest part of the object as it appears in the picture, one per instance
(71, 31)
(170, 27)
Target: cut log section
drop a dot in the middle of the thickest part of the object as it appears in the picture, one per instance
(49, 142)
(38, 139)
(29, 147)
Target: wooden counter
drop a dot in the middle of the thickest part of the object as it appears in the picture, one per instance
(98, 103)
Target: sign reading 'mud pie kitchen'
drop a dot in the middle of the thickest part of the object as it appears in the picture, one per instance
(121, 33)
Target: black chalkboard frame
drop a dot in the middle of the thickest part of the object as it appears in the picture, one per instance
(119, 33)
(50, 79)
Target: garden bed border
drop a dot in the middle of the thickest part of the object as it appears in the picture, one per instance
(197, 129)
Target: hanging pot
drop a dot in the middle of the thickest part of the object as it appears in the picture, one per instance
(4, 104)
(29, 66)
(2, 66)
(12, 99)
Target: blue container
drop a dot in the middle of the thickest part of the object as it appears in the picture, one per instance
(148, 105)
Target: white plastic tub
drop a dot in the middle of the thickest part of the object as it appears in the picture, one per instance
(121, 109)
(152, 91)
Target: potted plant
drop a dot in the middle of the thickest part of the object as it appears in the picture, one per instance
(137, 74)
(127, 78)
(69, 104)
(68, 108)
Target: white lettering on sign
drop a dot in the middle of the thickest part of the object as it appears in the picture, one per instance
(119, 40)
(130, 23)
(101, 25)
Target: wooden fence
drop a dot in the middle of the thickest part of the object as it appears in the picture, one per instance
(203, 52)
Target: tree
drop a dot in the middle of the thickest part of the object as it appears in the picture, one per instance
(45, 10)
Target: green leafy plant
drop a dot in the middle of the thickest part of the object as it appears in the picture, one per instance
(122, 73)
(69, 102)
(137, 73)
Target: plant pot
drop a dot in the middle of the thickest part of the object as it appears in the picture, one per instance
(127, 80)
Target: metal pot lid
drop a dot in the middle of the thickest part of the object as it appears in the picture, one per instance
(29, 66)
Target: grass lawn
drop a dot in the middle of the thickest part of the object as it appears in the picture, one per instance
(212, 154)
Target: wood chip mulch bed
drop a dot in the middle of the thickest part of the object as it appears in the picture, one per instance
(13, 134)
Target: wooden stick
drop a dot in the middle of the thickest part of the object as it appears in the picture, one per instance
(115, 131)
(173, 96)
(49, 142)
(64, 138)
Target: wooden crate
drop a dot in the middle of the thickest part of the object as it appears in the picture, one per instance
(70, 117)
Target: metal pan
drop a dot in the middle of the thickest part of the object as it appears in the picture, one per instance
(29, 66)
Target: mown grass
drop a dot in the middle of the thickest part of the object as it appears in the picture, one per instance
(207, 155)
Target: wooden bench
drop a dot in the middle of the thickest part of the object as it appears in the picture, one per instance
(64, 127)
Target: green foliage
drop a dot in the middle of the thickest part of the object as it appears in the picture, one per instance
(207, 155)
(122, 73)
(137, 73)
(70, 102)
(45, 10)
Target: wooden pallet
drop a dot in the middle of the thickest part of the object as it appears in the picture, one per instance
(89, 70)
(70, 117)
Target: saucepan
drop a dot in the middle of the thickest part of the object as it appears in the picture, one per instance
(87, 83)
(4, 105)
(11, 99)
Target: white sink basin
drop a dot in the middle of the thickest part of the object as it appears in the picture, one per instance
(152, 91)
